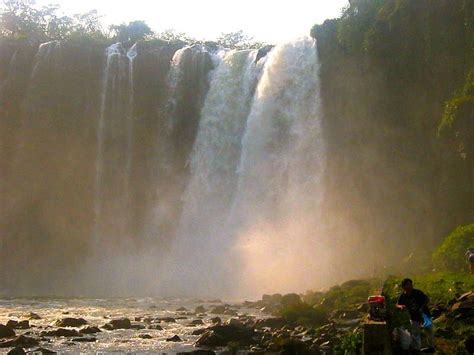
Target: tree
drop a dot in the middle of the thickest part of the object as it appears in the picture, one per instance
(134, 31)
(450, 255)
(20, 19)
(238, 40)
(172, 35)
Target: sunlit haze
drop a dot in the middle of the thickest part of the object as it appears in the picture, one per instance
(269, 21)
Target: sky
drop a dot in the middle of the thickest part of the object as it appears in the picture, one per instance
(272, 21)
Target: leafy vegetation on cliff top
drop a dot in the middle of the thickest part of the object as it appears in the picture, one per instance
(23, 20)
(450, 255)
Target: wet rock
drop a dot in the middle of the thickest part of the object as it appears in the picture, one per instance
(61, 332)
(221, 335)
(199, 331)
(43, 351)
(262, 52)
(230, 312)
(85, 340)
(174, 338)
(17, 351)
(22, 341)
(200, 309)
(235, 322)
(166, 320)
(218, 310)
(145, 336)
(24, 324)
(31, 316)
(90, 330)
(272, 323)
(216, 320)
(196, 322)
(155, 327)
(123, 323)
(6, 332)
(70, 322)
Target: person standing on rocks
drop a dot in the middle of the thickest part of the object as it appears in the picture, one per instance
(470, 259)
(416, 303)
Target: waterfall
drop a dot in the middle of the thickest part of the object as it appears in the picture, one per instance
(256, 169)
(276, 207)
(114, 159)
(187, 85)
(213, 164)
(283, 150)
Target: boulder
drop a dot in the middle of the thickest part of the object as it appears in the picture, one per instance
(6, 332)
(24, 324)
(89, 330)
(272, 323)
(221, 335)
(216, 320)
(70, 322)
(31, 316)
(17, 351)
(123, 323)
(43, 351)
(174, 338)
(199, 331)
(22, 341)
(196, 322)
(61, 332)
(200, 309)
(218, 310)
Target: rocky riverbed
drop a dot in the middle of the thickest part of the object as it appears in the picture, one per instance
(157, 326)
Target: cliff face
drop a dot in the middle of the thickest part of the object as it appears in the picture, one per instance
(393, 182)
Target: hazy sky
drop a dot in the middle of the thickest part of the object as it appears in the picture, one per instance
(266, 20)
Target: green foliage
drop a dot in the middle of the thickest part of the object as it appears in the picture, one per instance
(295, 311)
(238, 40)
(450, 255)
(22, 19)
(172, 35)
(351, 344)
(134, 31)
(350, 294)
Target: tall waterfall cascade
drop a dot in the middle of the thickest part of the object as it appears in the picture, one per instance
(114, 142)
(225, 146)
(257, 162)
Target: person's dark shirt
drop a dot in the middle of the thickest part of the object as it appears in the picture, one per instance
(416, 304)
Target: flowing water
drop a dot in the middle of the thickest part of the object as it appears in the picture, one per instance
(144, 313)
(238, 159)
